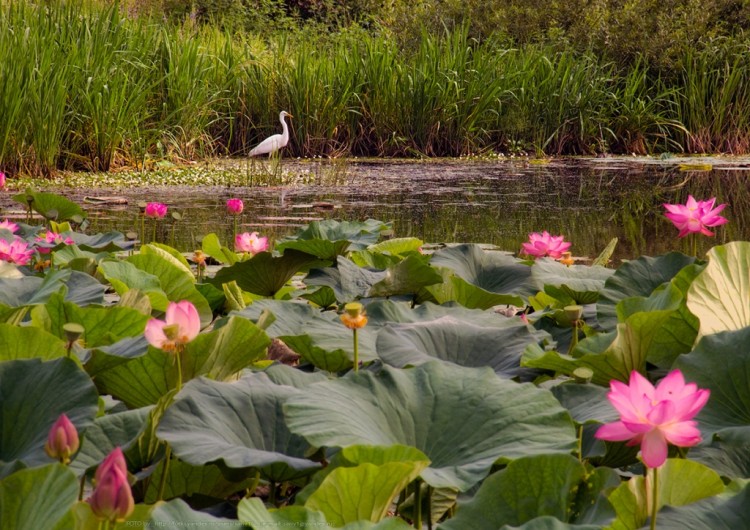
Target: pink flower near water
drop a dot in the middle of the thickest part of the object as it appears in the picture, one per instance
(8, 225)
(695, 216)
(251, 243)
(156, 210)
(50, 239)
(655, 417)
(181, 325)
(62, 440)
(112, 498)
(2, 180)
(235, 206)
(544, 244)
(17, 251)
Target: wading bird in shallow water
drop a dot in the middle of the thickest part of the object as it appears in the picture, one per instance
(273, 143)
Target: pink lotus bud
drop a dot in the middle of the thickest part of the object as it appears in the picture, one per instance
(235, 206)
(250, 243)
(182, 324)
(2, 180)
(112, 498)
(62, 441)
(155, 210)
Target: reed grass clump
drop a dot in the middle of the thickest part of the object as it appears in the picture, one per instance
(94, 88)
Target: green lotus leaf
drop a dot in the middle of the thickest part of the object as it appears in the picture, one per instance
(281, 374)
(354, 455)
(100, 243)
(455, 289)
(638, 277)
(84, 517)
(253, 512)
(610, 356)
(124, 277)
(69, 255)
(28, 343)
(323, 297)
(38, 498)
(360, 234)
(143, 380)
(51, 206)
(426, 407)
(212, 247)
(362, 492)
(102, 326)
(265, 274)
(381, 313)
(678, 330)
(406, 277)
(506, 498)
(681, 482)
(720, 295)
(580, 282)
(348, 281)
(493, 271)
(550, 523)
(398, 246)
(77, 286)
(34, 395)
(240, 424)
(175, 280)
(170, 254)
(717, 513)
(10, 271)
(586, 403)
(455, 341)
(727, 453)
(320, 248)
(178, 513)
(185, 480)
(108, 432)
(319, 337)
(722, 366)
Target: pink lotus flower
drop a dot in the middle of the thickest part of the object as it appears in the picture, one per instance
(235, 206)
(7, 225)
(2, 180)
(156, 210)
(62, 440)
(695, 216)
(181, 325)
(112, 498)
(543, 244)
(50, 239)
(654, 417)
(251, 243)
(17, 252)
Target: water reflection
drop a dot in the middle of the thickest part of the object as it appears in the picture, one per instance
(589, 201)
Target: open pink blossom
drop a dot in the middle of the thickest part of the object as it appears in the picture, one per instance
(48, 240)
(695, 216)
(181, 325)
(8, 225)
(155, 210)
(235, 206)
(544, 244)
(112, 498)
(17, 251)
(251, 243)
(655, 417)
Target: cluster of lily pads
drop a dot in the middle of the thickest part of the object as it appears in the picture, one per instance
(462, 388)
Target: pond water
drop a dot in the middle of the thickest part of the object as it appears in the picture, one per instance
(589, 201)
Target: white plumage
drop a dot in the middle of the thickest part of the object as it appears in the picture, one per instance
(273, 143)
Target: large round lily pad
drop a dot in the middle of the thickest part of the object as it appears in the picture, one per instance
(463, 419)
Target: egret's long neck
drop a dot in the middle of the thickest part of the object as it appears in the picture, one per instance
(284, 131)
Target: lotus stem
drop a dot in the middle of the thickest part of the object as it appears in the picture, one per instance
(178, 361)
(654, 497)
(429, 507)
(81, 487)
(250, 491)
(418, 504)
(164, 472)
(356, 351)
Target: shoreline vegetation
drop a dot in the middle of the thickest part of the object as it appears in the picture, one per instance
(85, 87)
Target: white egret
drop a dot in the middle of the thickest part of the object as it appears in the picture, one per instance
(273, 143)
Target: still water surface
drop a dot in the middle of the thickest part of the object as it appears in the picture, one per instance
(589, 201)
